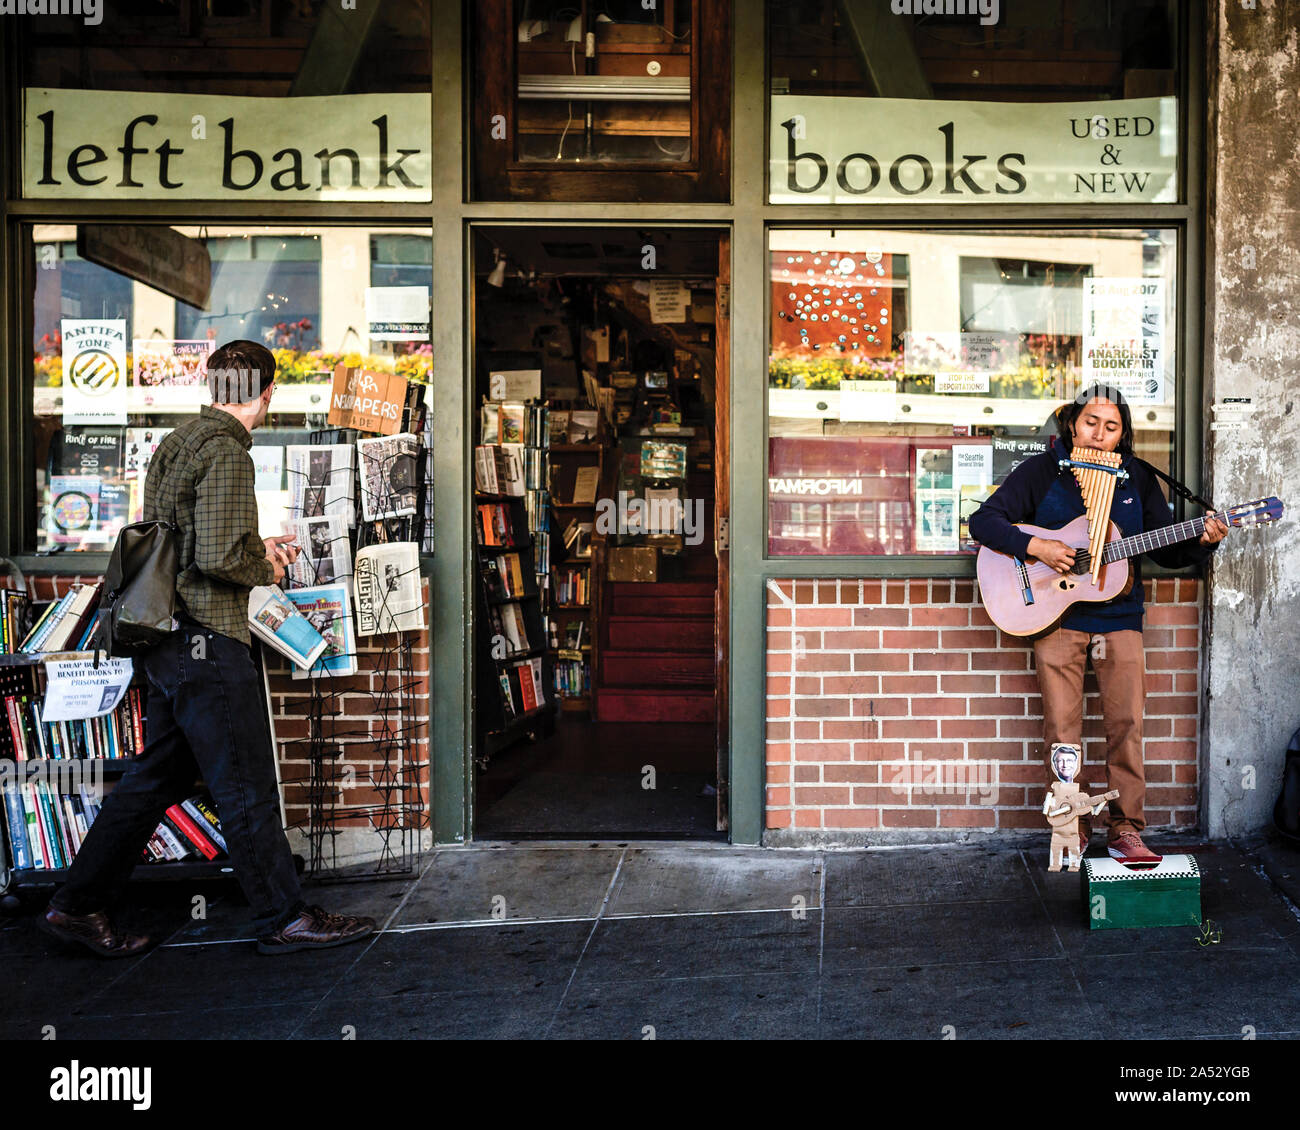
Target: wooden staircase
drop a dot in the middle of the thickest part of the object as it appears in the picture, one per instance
(657, 661)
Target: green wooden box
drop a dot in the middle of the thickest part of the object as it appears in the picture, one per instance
(1119, 897)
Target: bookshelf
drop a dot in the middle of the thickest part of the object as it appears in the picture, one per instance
(121, 733)
(512, 556)
(577, 472)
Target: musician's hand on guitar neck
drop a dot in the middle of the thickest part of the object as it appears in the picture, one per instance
(1054, 553)
(1215, 531)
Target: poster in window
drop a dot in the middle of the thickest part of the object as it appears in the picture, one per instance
(94, 371)
(973, 481)
(1123, 336)
(397, 313)
(936, 501)
(159, 361)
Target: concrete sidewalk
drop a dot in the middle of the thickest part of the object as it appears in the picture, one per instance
(608, 941)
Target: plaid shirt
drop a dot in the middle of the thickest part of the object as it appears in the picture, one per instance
(201, 479)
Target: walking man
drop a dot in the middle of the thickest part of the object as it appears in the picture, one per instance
(206, 711)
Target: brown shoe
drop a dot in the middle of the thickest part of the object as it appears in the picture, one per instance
(313, 929)
(1129, 849)
(95, 932)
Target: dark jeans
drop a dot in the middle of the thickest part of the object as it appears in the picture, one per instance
(206, 717)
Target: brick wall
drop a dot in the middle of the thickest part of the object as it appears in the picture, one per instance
(370, 705)
(896, 707)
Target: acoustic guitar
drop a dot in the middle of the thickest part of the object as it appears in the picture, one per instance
(1027, 597)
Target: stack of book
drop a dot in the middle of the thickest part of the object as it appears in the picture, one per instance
(67, 624)
(521, 686)
(111, 736)
(571, 586)
(572, 677)
(47, 829)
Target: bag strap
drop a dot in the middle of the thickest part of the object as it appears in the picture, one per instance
(1179, 489)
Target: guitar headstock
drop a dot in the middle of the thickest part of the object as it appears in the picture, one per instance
(1261, 512)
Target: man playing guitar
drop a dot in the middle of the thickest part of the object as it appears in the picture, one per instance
(1042, 493)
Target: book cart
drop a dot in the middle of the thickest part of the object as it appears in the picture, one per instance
(20, 676)
(512, 554)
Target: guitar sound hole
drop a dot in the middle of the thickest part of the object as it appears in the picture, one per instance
(1063, 584)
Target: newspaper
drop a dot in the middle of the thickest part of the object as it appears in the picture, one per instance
(275, 621)
(387, 589)
(388, 476)
(326, 552)
(328, 610)
(321, 481)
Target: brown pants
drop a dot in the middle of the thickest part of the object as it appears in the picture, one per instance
(1117, 658)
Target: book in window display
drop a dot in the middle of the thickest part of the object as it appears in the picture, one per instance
(388, 476)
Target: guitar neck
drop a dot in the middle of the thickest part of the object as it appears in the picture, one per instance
(1156, 539)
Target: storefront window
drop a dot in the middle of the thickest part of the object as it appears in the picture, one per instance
(117, 363)
(616, 100)
(909, 371)
(980, 102)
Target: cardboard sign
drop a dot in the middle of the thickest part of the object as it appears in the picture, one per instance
(367, 400)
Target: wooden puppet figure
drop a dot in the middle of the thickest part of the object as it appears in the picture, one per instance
(1063, 806)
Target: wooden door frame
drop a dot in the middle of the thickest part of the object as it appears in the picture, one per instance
(721, 524)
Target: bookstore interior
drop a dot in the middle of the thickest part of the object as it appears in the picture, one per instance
(594, 478)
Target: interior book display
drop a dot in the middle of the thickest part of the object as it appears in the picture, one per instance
(512, 540)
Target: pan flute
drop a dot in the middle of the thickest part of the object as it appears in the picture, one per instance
(1097, 472)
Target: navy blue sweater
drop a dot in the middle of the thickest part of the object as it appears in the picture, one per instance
(1041, 493)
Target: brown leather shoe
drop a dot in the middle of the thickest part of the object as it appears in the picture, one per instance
(95, 932)
(313, 929)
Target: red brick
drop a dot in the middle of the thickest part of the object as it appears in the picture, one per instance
(1020, 728)
(777, 774)
(969, 684)
(893, 592)
(880, 661)
(823, 751)
(822, 707)
(966, 818)
(809, 795)
(909, 640)
(853, 639)
(808, 817)
(1000, 750)
(877, 617)
(828, 592)
(909, 818)
(1028, 773)
(778, 686)
(1018, 684)
(1172, 751)
(957, 616)
(1011, 818)
(979, 617)
(778, 797)
(1158, 774)
(935, 751)
(909, 728)
(997, 707)
(938, 707)
(870, 592)
(805, 592)
(1184, 727)
(1158, 638)
(778, 708)
(779, 640)
(776, 731)
(781, 662)
(824, 661)
(857, 730)
(969, 728)
(821, 617)
(1186, 774)
(909, 684)
(1174, 704)
(940, 661)
(963, 592)
(880, 707)
(1007, 659)
(852, 684)
(804, 774)
(851, 818)
(918, 592)
(1187, 637)
(940, 591)
(779, 819)
(1157, 728)
(878, 751)
(1185, 615)
(1186, 682)
(808, 685)
(1159, 684)
(850, 772)
(778, 617)
(968, 639)
(879, 794)
(807, 730)
(1189, 588)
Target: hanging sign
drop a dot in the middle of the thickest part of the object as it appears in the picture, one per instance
(94, 371)
(828, 150)
(128, 145)
(159, 257)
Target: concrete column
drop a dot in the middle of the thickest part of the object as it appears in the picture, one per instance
(1252, 349)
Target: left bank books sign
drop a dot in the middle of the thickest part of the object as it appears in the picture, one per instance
(126, 145)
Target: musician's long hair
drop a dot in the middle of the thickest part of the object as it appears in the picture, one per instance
(1067, 414)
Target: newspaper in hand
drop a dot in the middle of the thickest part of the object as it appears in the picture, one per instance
(386, 584)
(273, 618)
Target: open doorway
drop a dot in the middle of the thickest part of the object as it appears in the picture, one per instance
(600, 378)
